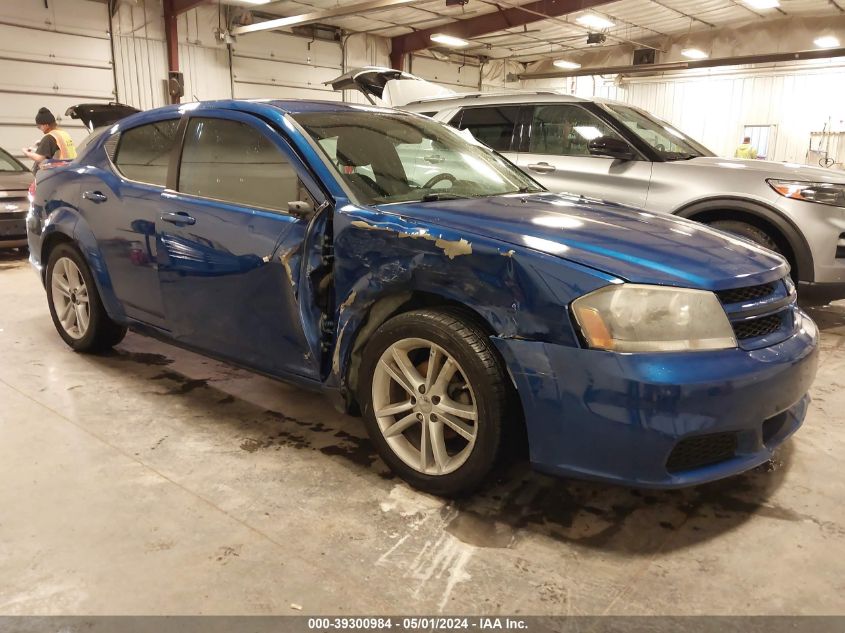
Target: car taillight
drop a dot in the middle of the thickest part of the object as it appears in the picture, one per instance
(52, 164)
(31, 192)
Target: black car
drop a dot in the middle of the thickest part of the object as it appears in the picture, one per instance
(15, 179)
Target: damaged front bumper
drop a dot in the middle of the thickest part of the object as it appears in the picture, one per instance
(663, 420)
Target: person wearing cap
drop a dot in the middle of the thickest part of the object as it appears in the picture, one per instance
(56, 143)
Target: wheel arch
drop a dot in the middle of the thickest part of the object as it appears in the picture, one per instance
(389, 305)
(396, 303)
(765, 217)
(81, 237)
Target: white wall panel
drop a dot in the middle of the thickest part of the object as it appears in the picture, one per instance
(141, 68)
(277, 75)
(206, 72)
(714, 106)
(463, 78)
(54, 57)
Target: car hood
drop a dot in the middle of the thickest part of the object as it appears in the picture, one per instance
(14, 181)
(768, 169)
(634, 245)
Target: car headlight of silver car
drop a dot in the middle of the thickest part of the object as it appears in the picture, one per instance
(820, 192)
(641, 318)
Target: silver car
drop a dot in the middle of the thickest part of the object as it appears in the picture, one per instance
(614, 151)
(605, 149)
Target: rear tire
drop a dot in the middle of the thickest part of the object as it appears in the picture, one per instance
(434, 398)
(75, 305)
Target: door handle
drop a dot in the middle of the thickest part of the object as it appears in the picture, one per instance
(178, 218)
(95, 196)
(542, 167)
(434, 159)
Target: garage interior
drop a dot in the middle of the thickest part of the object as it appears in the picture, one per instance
(154, 481)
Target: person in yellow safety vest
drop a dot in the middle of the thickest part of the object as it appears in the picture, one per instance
(56, 143)
(746, 150)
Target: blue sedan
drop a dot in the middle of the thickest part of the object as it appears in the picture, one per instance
(414, 275)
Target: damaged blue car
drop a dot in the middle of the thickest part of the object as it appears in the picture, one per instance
(416, 276)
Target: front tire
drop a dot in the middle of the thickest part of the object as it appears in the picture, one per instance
(434, 399)
(75, 305)
(749, 232)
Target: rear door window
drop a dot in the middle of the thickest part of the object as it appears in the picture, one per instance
(143, 152)
(565, 130)
(234, 162)
(492, 125)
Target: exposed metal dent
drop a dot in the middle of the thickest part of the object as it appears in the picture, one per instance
(285, 258)
(377, 315)
(349, 301)
(450, 248)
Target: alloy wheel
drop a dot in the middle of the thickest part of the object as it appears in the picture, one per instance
(70, 298)
(424, 406)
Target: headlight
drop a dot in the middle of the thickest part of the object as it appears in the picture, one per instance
(821, 192)
(639, 318)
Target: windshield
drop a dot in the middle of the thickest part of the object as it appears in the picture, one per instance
(9, 162)
(396, 157)
(663, 138)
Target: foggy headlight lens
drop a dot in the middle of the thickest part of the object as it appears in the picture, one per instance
(821, 192)
(640, 318)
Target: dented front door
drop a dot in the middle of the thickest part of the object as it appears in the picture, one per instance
(231, 255)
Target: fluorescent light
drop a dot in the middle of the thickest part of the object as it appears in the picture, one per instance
(763, 4)
(448, 40)
(594, 21)
(565, 63)
(256, 1)
(828, 41)
(694, 53)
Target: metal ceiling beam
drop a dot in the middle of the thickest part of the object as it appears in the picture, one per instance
(488, 23)
(764, 58)
(180, 6)
(686, 15)
(324, 14)
(585, 29)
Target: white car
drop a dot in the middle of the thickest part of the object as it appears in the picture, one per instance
(609, 150)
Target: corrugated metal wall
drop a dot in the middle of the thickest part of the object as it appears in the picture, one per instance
(263, 65)
(716, 105)
(53, 57)
(457, 76)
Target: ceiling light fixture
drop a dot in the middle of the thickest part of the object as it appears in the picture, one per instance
(449, 40)
(593, 21)
(763, 4)
(565, 63)
(827, 41)
(694, 53)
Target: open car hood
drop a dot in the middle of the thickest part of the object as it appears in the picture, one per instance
(393, 87)
(95, 115)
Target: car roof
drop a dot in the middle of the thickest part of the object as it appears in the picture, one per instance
(289, 106)
(500, 98)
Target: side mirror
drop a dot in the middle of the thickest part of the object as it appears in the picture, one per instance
(612, 147)
(301, 209)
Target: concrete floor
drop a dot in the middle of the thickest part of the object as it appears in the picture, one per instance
(156, 481)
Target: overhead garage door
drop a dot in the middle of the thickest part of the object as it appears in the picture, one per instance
(52, 57)
(276, 66)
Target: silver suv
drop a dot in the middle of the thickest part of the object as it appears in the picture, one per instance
(605, 149)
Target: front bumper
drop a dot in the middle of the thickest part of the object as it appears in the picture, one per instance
(13, 230)
(619, 417)
(821, 225)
